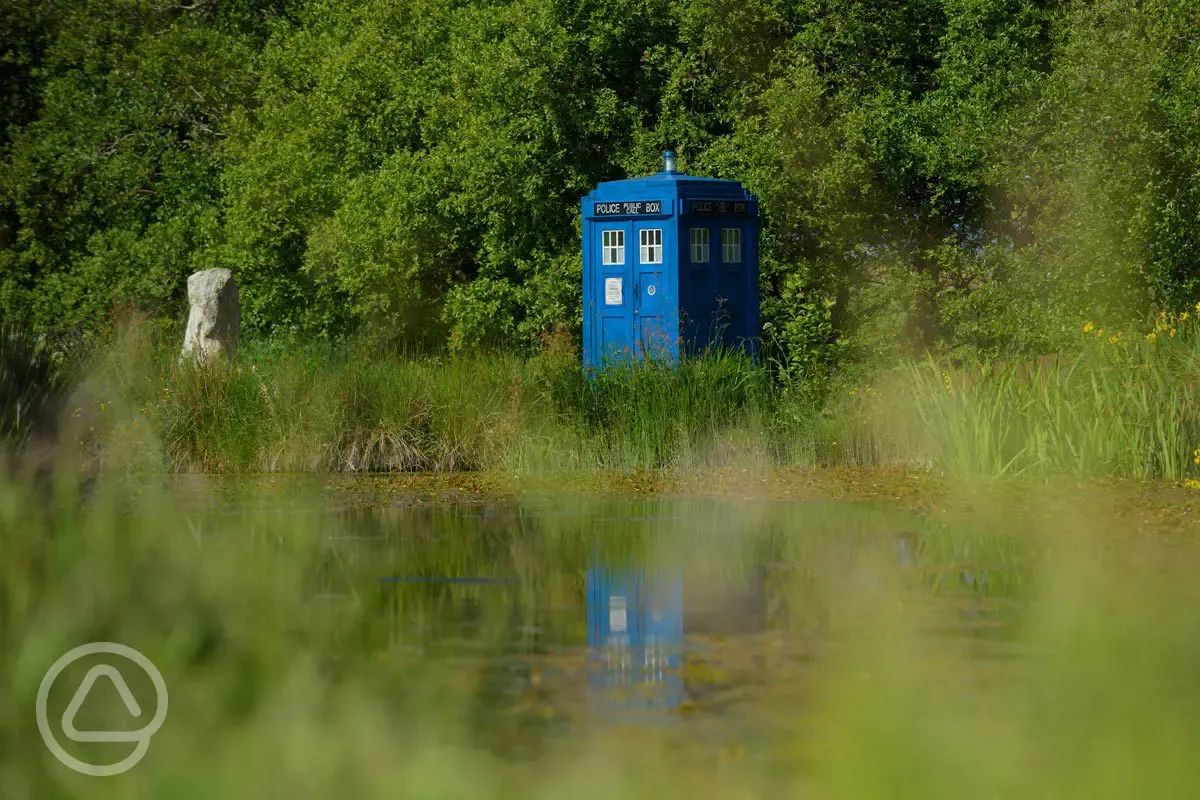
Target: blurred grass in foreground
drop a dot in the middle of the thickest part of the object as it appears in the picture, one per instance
(277, 688)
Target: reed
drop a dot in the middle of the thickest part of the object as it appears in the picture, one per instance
(1121, 405)
(1124, 406)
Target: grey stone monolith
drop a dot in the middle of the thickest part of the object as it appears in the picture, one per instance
(215, 318)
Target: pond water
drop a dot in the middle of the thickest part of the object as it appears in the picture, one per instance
(400, 636)
(699, 618)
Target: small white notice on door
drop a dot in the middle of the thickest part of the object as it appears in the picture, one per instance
(617, 621)
(612, 291)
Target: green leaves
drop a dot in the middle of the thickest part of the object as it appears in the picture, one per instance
(108, 186)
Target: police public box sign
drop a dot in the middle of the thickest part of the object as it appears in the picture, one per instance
(630, 208)
(718, 207)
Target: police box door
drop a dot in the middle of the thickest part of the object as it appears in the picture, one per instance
(613, 319)
(650, 334)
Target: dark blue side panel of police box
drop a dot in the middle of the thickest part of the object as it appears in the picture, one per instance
(719, 263)
(649, 289)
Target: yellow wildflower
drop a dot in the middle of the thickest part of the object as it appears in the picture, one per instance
(1151, 337)
(1172, 333)
(1114, 339)
(1191, 483)
(1088, 327)
(1184, 316)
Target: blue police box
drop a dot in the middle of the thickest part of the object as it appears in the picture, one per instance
(669, 260)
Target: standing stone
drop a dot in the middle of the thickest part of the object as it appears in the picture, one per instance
(212, 328)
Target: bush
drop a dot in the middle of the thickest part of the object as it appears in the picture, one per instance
(33, 375)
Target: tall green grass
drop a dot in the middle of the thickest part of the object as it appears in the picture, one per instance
(349, 408)
(1125, 406)
(1121, 405)
(33, 374)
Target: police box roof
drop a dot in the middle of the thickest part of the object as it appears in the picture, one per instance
(670, 184)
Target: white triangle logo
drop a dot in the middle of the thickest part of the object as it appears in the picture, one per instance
(131, 704)
(142, 737)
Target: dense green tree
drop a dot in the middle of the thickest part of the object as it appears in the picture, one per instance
(114, 183)
(411, 162)
(1109, 171)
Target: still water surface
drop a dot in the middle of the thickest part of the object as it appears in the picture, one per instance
(699, 616)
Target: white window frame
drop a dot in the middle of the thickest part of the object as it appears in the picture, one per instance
(731, 245)
(650, 246)
(698, 240)
(612, 247)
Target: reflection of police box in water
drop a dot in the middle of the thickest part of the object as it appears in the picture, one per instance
(668, 259)
(636, 626)
(635, 634)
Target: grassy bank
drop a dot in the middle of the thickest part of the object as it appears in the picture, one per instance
(1125, 403)
(325, 408)
(1120, 405)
